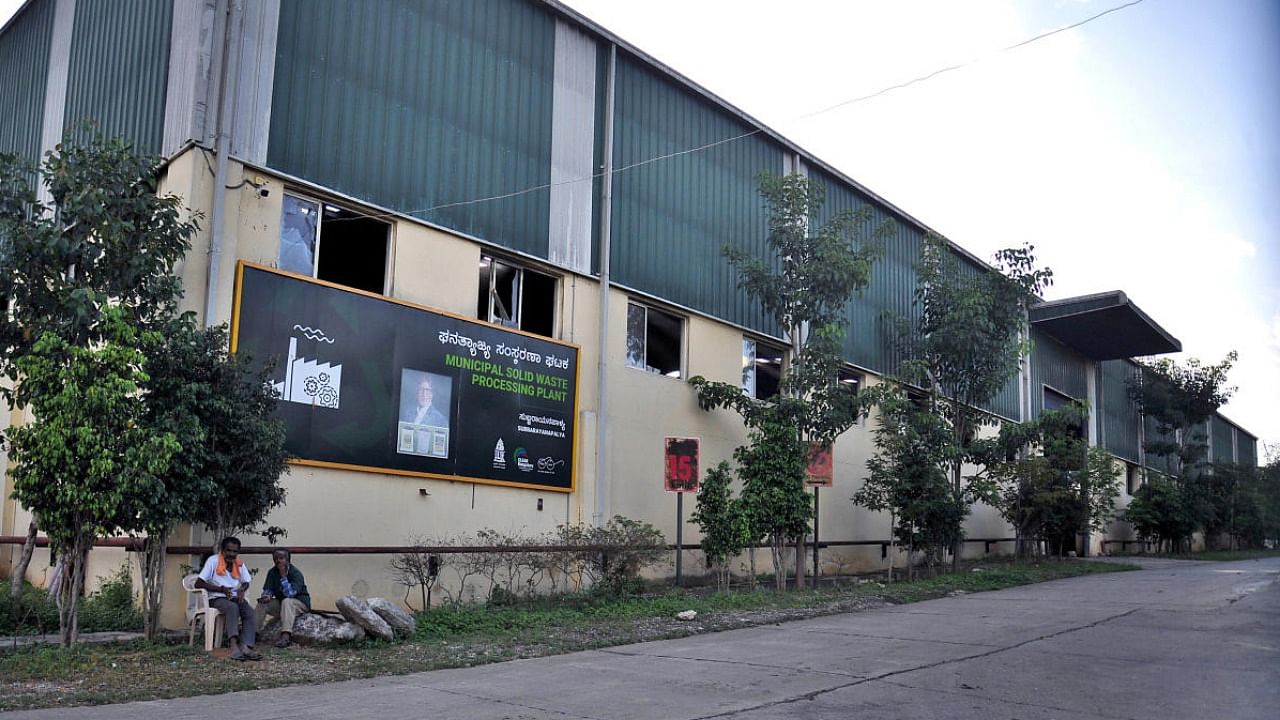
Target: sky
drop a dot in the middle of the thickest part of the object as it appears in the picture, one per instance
(1138, 152)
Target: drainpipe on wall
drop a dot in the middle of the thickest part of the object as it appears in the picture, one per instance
(222, 147)
(601, 515)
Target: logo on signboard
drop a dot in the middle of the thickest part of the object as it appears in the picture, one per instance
(548, 466)
(522, 460)
(500, 455)
(681, 474)
(309, 382)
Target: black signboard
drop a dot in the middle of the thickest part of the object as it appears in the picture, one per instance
(370, 383)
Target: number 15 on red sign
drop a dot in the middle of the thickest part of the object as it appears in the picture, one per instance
(681, 472)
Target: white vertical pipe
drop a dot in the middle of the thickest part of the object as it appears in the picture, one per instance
(601, 516)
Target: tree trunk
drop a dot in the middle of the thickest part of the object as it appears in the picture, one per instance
(893, 544)
(958, 543)
(152, 559)
(800, 562)
(776, 547)
(751, 561)
(72, 590)
(20, 570)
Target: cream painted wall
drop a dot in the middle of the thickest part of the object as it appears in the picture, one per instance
(431, 267)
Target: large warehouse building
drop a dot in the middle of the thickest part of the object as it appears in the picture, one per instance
(503, 207)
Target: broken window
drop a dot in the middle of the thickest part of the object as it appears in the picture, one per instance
(327, 242)
(516, 297)
(654, 340)
(850, 381)
(761, 368)
(1133, 478)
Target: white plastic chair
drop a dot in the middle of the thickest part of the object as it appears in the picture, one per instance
(201, 610)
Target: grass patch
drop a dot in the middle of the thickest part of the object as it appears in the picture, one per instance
(47, 676)
(1223, 555)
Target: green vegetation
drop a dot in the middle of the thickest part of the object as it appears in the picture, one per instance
(48, 676)
(110, 608)
(1225, 555)
(805, 287)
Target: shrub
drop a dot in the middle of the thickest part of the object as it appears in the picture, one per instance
(112, 607)
(38, 613)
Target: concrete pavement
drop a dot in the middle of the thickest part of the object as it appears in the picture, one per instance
(1176, 640)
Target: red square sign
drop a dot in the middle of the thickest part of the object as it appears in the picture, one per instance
(681, 456)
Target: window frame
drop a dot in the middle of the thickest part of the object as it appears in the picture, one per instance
(680, 353)
(490, 261)
(783, 354)
(322, 203)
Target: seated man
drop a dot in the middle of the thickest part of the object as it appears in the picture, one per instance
(284, 594)
(227, 580)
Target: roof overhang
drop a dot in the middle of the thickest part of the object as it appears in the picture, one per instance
(1105, 326)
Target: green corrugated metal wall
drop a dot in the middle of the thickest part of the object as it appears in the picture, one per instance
(1155, 462)
(24, 64)
(670, 219)
(414, 105)
(870, 340)
(1055, 365)
(1247, 446)
(119, 69)
(1120, 416)
(1222, 434)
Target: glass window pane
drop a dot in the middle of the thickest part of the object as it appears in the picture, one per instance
(635, 336)
(298, 223)
(506, 294)
(749, 367)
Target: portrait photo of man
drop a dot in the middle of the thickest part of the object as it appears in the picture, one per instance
(424, 407)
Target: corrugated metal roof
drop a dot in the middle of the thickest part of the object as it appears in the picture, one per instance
(1104, 326)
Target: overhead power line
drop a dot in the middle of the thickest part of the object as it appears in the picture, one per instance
(831, 108)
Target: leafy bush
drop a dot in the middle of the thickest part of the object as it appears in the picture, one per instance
(38, 612)
(112, 607)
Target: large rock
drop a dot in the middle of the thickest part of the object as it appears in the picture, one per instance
(314, 629)
(359, 612)
(400, 621)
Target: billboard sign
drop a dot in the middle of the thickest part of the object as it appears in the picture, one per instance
(376, 384)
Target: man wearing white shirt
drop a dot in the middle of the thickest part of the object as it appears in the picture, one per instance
(227, 579)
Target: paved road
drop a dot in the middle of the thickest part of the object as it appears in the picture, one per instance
(1177, 640)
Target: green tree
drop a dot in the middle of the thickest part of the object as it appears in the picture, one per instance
(725, 531)
(1047, 482)
(1160, 512)
(1181, 399)
(805, 286)
(242, 452)
(967, 342)
(106, 240)
(91, 463)
(907, 477)
(227, 473)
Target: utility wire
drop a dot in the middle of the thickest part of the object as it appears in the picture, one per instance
(757, 131)
(974, 61)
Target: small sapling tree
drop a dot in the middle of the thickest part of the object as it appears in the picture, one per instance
(805, 287)
(966, 343)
